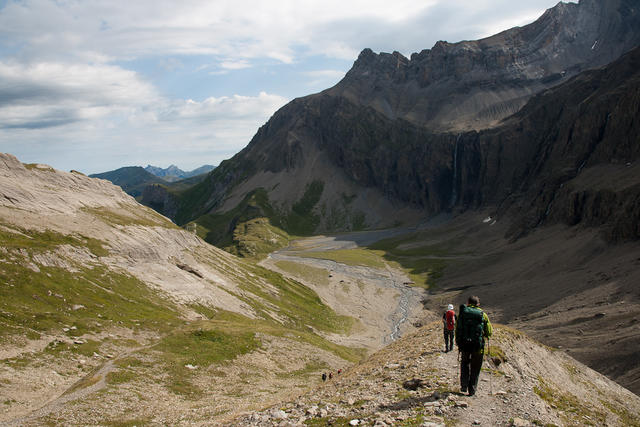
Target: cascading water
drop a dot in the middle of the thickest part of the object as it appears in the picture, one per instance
(454, 186)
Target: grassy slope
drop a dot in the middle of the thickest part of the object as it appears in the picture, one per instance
(255, 227)
(37, 302)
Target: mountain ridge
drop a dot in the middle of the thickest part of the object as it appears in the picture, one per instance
(326, 122)
(174, 173)
(472, 85)
(132, 179)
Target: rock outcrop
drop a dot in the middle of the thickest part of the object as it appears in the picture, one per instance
(160, 199)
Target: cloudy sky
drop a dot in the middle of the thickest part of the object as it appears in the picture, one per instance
(94, 85)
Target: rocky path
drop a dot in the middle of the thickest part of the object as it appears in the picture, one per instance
(91, 383)
(413, 382)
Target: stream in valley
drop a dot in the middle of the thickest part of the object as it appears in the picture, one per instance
(398, 310)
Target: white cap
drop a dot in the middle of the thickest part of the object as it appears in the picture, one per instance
(450, 307)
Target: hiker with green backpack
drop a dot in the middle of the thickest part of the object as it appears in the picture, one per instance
(472, 327)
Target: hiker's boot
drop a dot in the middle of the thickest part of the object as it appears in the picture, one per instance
(463, 389)
(472, 390)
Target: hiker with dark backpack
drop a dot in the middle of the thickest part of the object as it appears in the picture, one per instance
(472, 328)
(449, 325)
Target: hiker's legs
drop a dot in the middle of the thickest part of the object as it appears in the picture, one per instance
(475, 363)
(465, 359)
(446, 339)
(450, 333)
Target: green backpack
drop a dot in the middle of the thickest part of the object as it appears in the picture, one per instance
(471, 329)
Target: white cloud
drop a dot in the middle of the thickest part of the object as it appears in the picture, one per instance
(237, 30)
(51, 94)
(101, 117)
(62, 96)
(213, 109)
(235, 65)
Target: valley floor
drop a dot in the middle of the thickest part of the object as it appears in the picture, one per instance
(378, 294)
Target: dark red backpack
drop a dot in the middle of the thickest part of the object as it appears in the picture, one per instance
(450, 318)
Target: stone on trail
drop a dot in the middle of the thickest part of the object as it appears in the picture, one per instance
(279, 414)
(354, 422)
(413, 384)
(519, 422)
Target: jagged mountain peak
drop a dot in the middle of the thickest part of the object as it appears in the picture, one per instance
(473, 84)
(173, 172)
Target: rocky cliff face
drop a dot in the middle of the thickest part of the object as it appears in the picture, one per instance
(474, 84)
(431, 132)
(157, 197)
(568, 156)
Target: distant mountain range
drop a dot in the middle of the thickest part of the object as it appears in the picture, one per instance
(134, 179)
(174, 173)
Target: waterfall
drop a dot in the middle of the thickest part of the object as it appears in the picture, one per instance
(454, 193)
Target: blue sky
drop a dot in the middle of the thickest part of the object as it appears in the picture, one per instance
(94, 85)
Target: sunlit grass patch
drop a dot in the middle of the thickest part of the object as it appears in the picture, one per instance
(310, 368)
(121, 376)
(317, 276)
(53, 298)
(127, 216)
(573, 411)
(364, 257)
(183, 352)
(257, 237)
(34, 241)
(236, 323)
(300, 304)
(129, 422)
